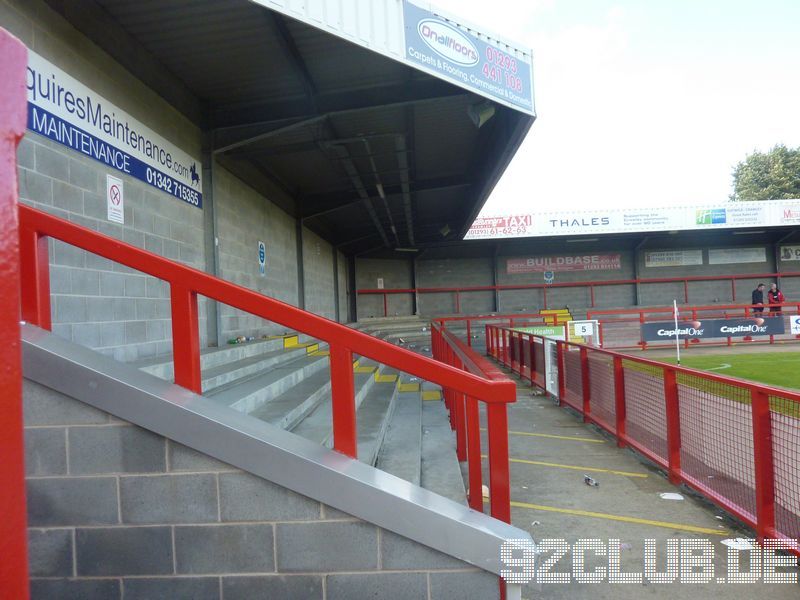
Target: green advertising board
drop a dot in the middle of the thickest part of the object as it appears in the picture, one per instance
(555, 332)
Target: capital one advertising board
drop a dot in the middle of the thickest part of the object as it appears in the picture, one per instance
(713, 328)
(580, 262)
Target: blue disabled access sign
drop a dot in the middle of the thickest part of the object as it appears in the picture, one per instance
(448, 50)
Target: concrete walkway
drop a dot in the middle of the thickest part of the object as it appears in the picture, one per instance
(552, 451)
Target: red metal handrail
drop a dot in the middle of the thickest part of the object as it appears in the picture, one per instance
(591, 284)
(187, 283)
(465, 419)
(522, 319)
(683, 386)
(14, 523)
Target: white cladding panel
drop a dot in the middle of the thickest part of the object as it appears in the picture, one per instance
(379, 26)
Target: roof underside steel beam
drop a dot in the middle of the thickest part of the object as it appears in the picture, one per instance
(352, 172)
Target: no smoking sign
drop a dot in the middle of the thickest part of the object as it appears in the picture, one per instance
(115, 200)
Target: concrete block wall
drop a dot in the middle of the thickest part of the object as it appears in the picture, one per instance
(465, 272)
(395, 274)
(96, 303)
(116, 511)
(343, 291)
(111, 308)
(244, 217)
(319, 287)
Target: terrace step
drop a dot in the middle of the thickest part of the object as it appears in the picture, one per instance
(247, 395)
(317, 426)
(401, 451)
(162, 366)
(441, 472)
(244, 368)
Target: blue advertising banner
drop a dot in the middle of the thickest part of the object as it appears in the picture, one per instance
(442, 47)
(64, 110)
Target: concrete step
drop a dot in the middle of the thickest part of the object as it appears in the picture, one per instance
(245, 368)
(440, 472)
(249, 394)
(401, 450)
(162, 366)
(318, 425)
(294, 405)
(373, 415)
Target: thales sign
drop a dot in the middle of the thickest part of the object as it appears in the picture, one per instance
(448, 42)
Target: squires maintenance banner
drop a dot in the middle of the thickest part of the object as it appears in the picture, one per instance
(64, 110)
(583, 262)
(713, 328)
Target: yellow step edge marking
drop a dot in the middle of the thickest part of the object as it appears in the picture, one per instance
(312, 348)
(608, 517)
(573, 467)
(365, 369)
(431, 395)
(408, 387)
(385, 378)
(290, 341)
(355, 362)
(555, 437)
(320, 353)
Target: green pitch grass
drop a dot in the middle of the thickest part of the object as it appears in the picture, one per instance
(780, 369)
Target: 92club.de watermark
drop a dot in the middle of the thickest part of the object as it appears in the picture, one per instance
(673, 560)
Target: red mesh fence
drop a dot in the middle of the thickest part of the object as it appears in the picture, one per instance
(785, 420)
(573, 379)
(736, 442)
(601, 385)
(717, 440)
(525, 372)
(645, 409)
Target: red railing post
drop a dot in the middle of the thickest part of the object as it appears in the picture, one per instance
(587, 392)
(499, 474)
(385, 304)
(459, 408)
(673, 419)
(591, 291)
(469, 333)
(619, 401)
(487, 340)
(562, 381)
(458, 302)
(474, 454)
(763, 462)
(35, 267)
(345, 438)
(13, 525)
(185, 338)
(531, 346)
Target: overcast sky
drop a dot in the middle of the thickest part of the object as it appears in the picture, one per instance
(645, 102)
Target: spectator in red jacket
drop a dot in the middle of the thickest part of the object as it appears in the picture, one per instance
(775, 296)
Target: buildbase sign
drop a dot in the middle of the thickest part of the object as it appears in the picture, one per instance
(713, 328)
(582, 262)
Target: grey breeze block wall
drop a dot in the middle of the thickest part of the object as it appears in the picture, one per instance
(456, 272)
(320, 292)
(395, 274)
(244, 217)
(97, 303)
(108, 307)
(114, 509)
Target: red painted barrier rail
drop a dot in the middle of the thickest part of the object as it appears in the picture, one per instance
(515, 320)
(13, 523)
(465, 419)
(734, 441)
(187, 283)
(591, 285)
